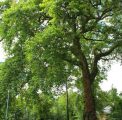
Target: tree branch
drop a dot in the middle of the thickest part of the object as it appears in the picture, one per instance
(112, 48)
(77, 51)
(90, 39)
(1, 39)
(97, 19)
(100, 55)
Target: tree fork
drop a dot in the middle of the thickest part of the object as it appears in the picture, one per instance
(88, 79)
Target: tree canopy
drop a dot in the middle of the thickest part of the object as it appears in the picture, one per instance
(51, 42)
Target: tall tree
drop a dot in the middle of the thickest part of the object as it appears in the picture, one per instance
(63, 36)
(82, 33)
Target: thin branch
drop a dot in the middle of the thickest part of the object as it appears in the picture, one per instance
(95, 4)
(91, 39)
(1, 39)
(105, 59)
(107, 10)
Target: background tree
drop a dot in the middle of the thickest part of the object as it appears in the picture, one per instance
(115, 105)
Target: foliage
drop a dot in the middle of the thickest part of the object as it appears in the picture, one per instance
(49, 42)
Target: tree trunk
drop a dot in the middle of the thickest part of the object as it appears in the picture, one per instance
(88, 78)
(89, 105)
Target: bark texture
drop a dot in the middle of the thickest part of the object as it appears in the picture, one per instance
(89, 101)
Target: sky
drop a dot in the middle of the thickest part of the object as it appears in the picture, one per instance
(114, 78)
(114, 75)
(2, 53)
